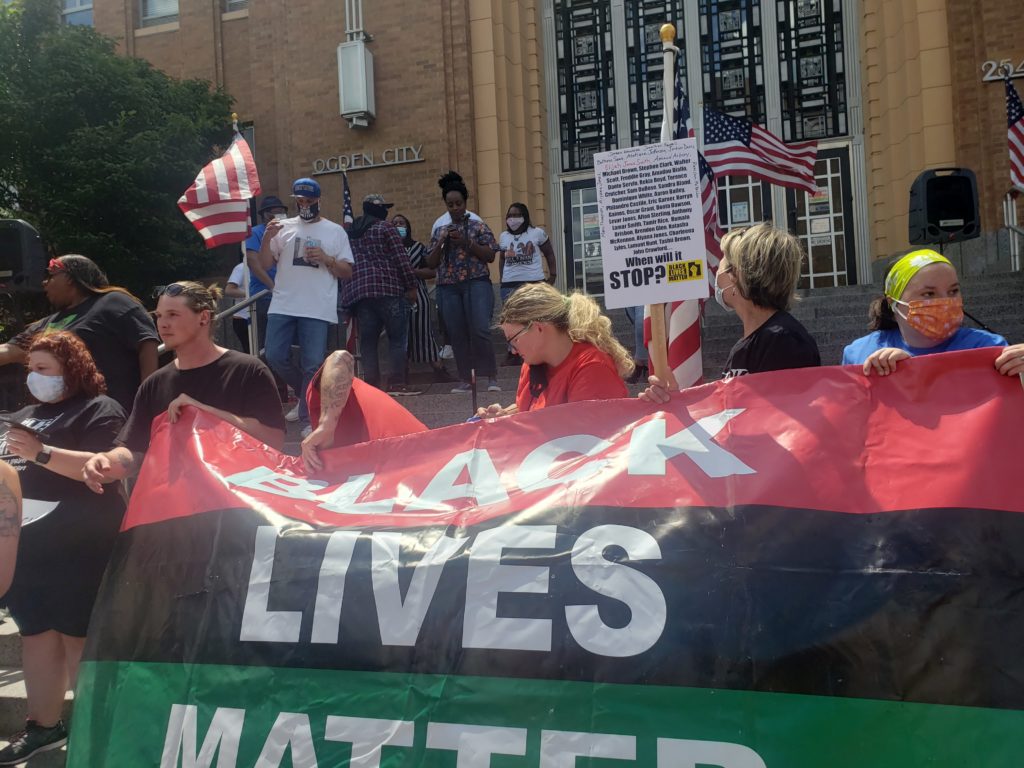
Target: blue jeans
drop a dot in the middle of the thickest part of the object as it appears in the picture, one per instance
(507, 289)
(467, 308)
(311, 336)
(390, 313)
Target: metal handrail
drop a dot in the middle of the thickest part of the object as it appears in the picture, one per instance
(235, 308)
(1010, 222)
(229, 312)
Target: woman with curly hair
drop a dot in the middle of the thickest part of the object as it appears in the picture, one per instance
(568, 350)
(62, 554)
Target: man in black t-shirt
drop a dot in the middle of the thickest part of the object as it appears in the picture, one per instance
(114, 326)
(233, 386)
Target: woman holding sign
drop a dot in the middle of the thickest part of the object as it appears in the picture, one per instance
(568, 350)
(62, 555)
(756, 279)
(921, 313)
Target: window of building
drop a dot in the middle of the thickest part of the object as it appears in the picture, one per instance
(732, 57)
(153, 12)
(76, 12)
(645, 63)
(586, 88)
(812, 69)
(235, 5)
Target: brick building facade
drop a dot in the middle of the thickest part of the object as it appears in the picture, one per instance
(518, 94)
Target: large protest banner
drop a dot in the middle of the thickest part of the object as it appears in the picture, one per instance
(790, 570)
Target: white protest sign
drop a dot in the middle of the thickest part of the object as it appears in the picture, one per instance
(652, 233)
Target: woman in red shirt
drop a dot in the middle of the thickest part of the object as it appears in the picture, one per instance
(568, 350)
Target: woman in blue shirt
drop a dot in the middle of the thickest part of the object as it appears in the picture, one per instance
(921, 313)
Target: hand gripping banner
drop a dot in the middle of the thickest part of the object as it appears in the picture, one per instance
(791, 570)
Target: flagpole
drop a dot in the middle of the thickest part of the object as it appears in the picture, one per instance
(658, 350)
(254, 337)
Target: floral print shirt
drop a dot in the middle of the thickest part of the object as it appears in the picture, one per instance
(457, 263)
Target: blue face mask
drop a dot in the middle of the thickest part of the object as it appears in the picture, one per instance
(402, 232)
(309, 213)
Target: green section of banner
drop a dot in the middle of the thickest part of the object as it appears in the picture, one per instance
(125, 718)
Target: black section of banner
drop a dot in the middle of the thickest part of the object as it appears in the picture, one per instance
(923, 605)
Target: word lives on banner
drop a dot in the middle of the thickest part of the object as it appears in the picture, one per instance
(790, 570)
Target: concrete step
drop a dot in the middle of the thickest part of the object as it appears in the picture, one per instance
(10, 645)
(13, 704)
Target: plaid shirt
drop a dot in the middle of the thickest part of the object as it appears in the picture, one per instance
(382, 265)
(457, 263)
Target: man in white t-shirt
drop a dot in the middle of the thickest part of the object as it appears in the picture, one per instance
(311, 254)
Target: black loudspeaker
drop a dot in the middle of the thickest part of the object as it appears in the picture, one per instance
(944, 208)
(22, 257)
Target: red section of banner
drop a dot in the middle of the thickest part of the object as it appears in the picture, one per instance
(944, 431)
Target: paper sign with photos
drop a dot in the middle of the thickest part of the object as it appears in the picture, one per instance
(301, 246)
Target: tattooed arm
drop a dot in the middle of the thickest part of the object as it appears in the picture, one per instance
(110, 466)
(335, 387)
(10, 522)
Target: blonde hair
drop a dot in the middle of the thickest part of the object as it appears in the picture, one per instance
(767, 263)
(577, 315)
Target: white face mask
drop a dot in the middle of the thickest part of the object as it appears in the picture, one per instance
(720, 297)
(515, 222)
(46, 389)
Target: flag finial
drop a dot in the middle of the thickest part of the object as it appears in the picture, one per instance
(668, 33)
(234, 121)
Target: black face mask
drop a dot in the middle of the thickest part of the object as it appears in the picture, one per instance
(310, 213)
(377, 211)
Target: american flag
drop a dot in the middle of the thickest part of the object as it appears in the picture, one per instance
(217, 203)
(684, 317)
(346, 212)
(736, 147)
(1015, 135)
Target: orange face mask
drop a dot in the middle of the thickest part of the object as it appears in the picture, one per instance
(937, 319)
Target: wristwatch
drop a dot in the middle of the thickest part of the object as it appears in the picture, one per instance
(43, 457)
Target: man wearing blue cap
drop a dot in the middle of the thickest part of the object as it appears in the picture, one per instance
(311, 254)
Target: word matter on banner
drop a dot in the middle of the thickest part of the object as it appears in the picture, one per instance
(652, 240)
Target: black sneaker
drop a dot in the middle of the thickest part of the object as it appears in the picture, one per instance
(33, 740)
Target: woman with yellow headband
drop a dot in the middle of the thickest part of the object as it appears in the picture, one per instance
(921, 313)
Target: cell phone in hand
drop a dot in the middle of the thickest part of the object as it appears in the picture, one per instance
(9, 422)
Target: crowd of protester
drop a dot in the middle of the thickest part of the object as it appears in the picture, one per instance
(96, 389)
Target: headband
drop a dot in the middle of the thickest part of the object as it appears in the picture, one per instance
(904, 270)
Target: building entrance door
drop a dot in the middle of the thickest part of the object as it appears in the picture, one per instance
(582, 237)
(824, 222)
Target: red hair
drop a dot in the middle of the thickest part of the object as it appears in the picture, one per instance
(80, 373)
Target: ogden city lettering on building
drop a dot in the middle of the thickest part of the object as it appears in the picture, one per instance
(357, 161)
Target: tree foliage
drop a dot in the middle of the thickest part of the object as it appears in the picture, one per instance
(96, 148)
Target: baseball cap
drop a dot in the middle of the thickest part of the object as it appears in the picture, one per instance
(377, 199)
(270, 202)
(305, 188)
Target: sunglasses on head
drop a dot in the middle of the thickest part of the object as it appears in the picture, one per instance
(174, 289)
(55, 267)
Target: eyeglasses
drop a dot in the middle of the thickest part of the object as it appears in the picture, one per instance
(512, 339)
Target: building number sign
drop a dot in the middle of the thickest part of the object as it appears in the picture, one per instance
(997, 70)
